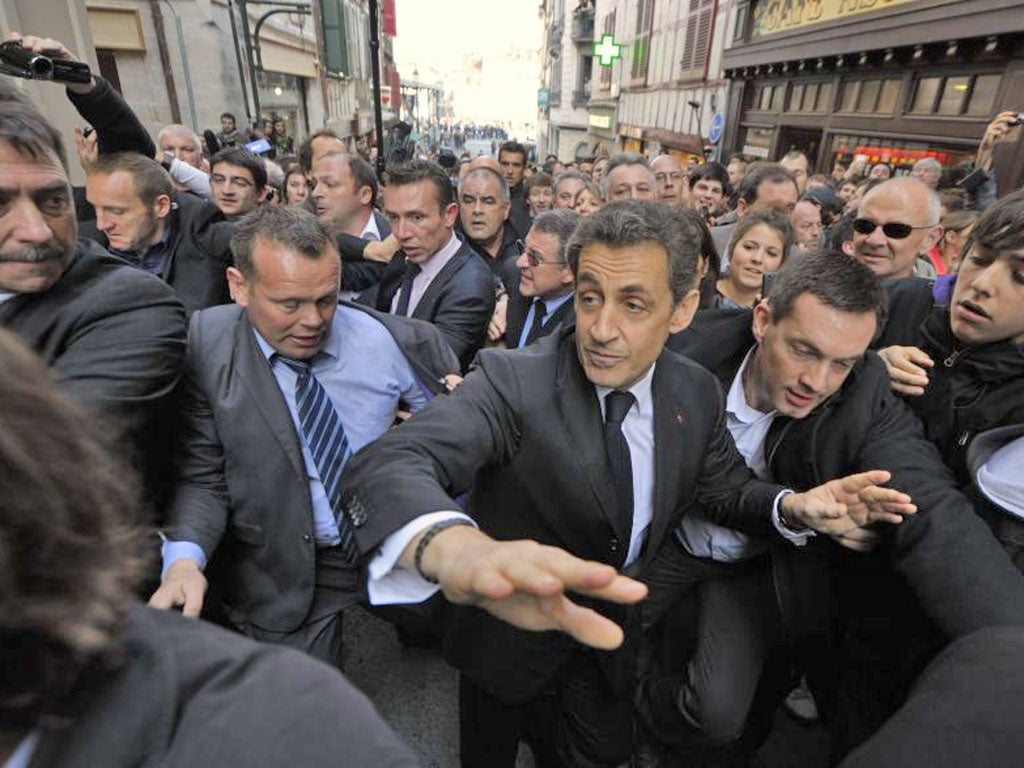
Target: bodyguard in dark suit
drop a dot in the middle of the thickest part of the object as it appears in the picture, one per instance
(283, 388)
(139, 217)
(434, 277)
(542, 301)
(113, 335)
(595, 440)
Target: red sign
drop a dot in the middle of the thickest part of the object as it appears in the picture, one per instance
(389, 26)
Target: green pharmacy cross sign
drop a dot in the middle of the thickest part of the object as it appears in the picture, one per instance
(607, 51)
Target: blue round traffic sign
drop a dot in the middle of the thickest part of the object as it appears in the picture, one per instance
(717, 125)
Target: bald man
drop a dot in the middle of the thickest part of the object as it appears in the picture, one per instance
(670, 178)
(897, 223)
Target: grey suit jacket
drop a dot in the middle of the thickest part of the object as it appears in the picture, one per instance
(244, 491)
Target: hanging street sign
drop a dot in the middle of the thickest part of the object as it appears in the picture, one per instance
(607, 51)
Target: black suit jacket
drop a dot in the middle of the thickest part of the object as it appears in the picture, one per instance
(115, 339)
(524, 432)
(459, 300)
(956, 569)
(166, 700)
(519, 307)
(244, 491)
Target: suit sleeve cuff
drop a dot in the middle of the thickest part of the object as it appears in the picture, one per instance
(172, 551)
(796, 538)
(388, 580)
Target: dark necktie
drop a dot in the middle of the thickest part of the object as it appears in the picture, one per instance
(616, 405)
(411, 270)
(540, 309)
(325, 437)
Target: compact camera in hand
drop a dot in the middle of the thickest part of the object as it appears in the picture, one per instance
(15, 60)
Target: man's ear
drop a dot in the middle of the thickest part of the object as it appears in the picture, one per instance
(238, 286)
(365, 195)
(762, 320)
(162, 206)
(741, 208)
(934, 236)
(261, 195)
(508, 210)
(684, 311)
(451, 212)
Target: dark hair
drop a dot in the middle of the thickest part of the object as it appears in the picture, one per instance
(306, 147)
(630, 222)
(841, 231)
(999, 229)
(537, 180)
(712, 172)
(416, 171)
(759, 173)
(70, 556)
(561, 223)
(150, 179)
(294, 228)
(228, 114)
(832, 277)
(292, 171)
(770, 218)
(512, 147)
(361, 171)
(24, 128)
(243, 158)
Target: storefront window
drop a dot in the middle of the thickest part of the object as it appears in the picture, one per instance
(901, 154)
(924, 96)
(888, 97)
(851, 89)
(757, 142)
(953, 95)
(868, 95)
(983, 95)
(825, 96)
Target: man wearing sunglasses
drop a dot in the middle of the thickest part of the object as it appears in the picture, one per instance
(897, 223)
(543, 301)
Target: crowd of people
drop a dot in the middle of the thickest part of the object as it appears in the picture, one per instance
(641, 447)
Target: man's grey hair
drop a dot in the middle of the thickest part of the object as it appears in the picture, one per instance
(561, 223)
(929, 164)
(180, 130)
(24, 128)
(294, 228)
(915, 187)
(627, 223)
(565, 176)
(625, 158)
(505, 193)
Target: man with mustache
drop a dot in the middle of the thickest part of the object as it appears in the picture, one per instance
(114, 335)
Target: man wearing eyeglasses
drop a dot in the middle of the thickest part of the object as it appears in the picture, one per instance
(238, 182)
(671, 180)
(543, 301)
(897, 223)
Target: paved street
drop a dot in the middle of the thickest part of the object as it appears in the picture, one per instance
(416, 692)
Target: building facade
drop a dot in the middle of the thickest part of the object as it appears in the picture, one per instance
(565, 90)
(884, 80)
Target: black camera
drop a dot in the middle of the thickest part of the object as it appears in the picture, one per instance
(15, 60)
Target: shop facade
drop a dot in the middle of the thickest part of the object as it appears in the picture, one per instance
(884, 80)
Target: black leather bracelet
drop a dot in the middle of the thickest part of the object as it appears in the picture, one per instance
(428, 537)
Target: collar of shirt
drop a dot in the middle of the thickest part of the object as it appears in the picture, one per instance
(331, 348)
(552, 305)
(433, 265)
(641, 390)
(736, 404)
(22, 755)
(6, 296)
(370, 229)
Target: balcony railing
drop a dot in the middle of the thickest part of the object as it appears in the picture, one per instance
(583, 25)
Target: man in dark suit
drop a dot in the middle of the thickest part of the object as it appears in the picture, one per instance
(344, 197)
(182, 240)
(542, 302)
(434, 277)
(283, 388)
(114, 336)
(595, 440)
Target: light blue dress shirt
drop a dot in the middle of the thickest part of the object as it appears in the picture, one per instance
(364, 373)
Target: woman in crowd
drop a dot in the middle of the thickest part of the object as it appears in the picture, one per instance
(296, 190)
(589, 199)
(758, 246)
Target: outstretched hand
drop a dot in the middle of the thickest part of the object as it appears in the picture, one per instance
(525, 583)
(908, 374)
(55, 49)
(835, 507)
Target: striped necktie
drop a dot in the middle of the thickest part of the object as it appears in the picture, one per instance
(325, 437)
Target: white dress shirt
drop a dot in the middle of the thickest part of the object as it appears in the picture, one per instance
(428, 271)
